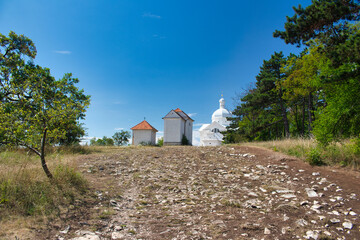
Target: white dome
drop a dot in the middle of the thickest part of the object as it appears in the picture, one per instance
(221, 114)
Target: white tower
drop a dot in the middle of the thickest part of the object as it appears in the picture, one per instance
(210, 134)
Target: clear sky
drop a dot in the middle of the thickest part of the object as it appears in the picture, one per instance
(142, 58)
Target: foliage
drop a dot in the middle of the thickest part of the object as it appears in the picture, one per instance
(314, 93)
(121, 138)
(344, 153)
(314, 157)
(161, 141)
(184, 140)
(35, 108)
(105, 141)
(322, 19)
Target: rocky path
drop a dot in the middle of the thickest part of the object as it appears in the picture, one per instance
(222, 192)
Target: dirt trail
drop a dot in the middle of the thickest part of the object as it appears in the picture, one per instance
(211, 193)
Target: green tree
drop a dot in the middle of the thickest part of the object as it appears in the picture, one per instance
(324, 19)
(105, 141)
(35, 108)
(121, 138)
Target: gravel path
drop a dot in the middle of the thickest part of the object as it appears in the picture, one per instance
(227, 192)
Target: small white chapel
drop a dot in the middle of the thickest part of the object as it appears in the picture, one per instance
(176, 125)
(210, 134)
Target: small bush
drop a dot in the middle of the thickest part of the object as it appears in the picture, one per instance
(161, 142)
(314, 157)
(184, 140)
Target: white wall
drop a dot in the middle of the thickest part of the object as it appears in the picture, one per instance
(143, 136)
(173, 130)
(189, 131)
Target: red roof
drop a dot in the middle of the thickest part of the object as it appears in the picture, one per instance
(144, 125)
(182, 114)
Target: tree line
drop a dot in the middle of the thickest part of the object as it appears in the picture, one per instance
(315, 93)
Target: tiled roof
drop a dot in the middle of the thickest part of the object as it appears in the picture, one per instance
(182, 114)
(144, 125)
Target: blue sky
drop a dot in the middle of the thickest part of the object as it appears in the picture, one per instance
(142, 58)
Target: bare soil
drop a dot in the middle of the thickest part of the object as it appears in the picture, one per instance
(226, 192)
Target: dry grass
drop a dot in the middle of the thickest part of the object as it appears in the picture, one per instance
(26, 191)
(344, 153)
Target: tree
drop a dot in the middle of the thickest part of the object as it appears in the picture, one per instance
(35, 109)
(322, 19)
(105, 141)
(121, 138)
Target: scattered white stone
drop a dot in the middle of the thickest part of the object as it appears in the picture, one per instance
(295, 179)
(311, 234)
(311, 193)
(301, 170)
(301, 222)
(86, 235)
(66, 230)
(332, 200)
(252, 194)
(340, 229)
(267, 231)
(352, 213)
(327, 233)
(347, 225)
(334, 220)
(316, 174)
(316, 207)
(304, 203)
(118, 235)
(263, 190)
(287, 196)
(335, 213)
(286, 218)
(321, 218)
(339, 198)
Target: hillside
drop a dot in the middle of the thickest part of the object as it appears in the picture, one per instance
(227, 192)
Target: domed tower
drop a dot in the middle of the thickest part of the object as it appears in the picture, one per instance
(221, 114)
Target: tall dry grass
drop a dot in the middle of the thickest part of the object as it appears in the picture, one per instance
(26, 191)
(345, 153)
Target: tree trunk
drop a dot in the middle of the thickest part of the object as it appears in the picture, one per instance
(284, 115)
(42, 156)
(303, 118)
(310, 112)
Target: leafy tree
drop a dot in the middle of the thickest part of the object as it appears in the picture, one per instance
(35, 108)
(105, 141)
(121, 138)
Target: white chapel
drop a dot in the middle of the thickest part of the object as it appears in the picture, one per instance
(176, 125)
(210, 134)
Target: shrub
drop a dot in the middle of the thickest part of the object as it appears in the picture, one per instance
(314, 157)
(184, 140)
(161, 142)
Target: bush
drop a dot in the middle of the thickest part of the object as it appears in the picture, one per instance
(161, 142)
(184, 140)
(314, 157)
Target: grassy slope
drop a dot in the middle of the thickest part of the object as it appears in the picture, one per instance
(345, 153)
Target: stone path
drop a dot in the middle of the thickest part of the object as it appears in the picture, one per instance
(216, 193)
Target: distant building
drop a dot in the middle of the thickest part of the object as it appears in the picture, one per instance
(143, 133)
(176, 125)
(210, 134)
